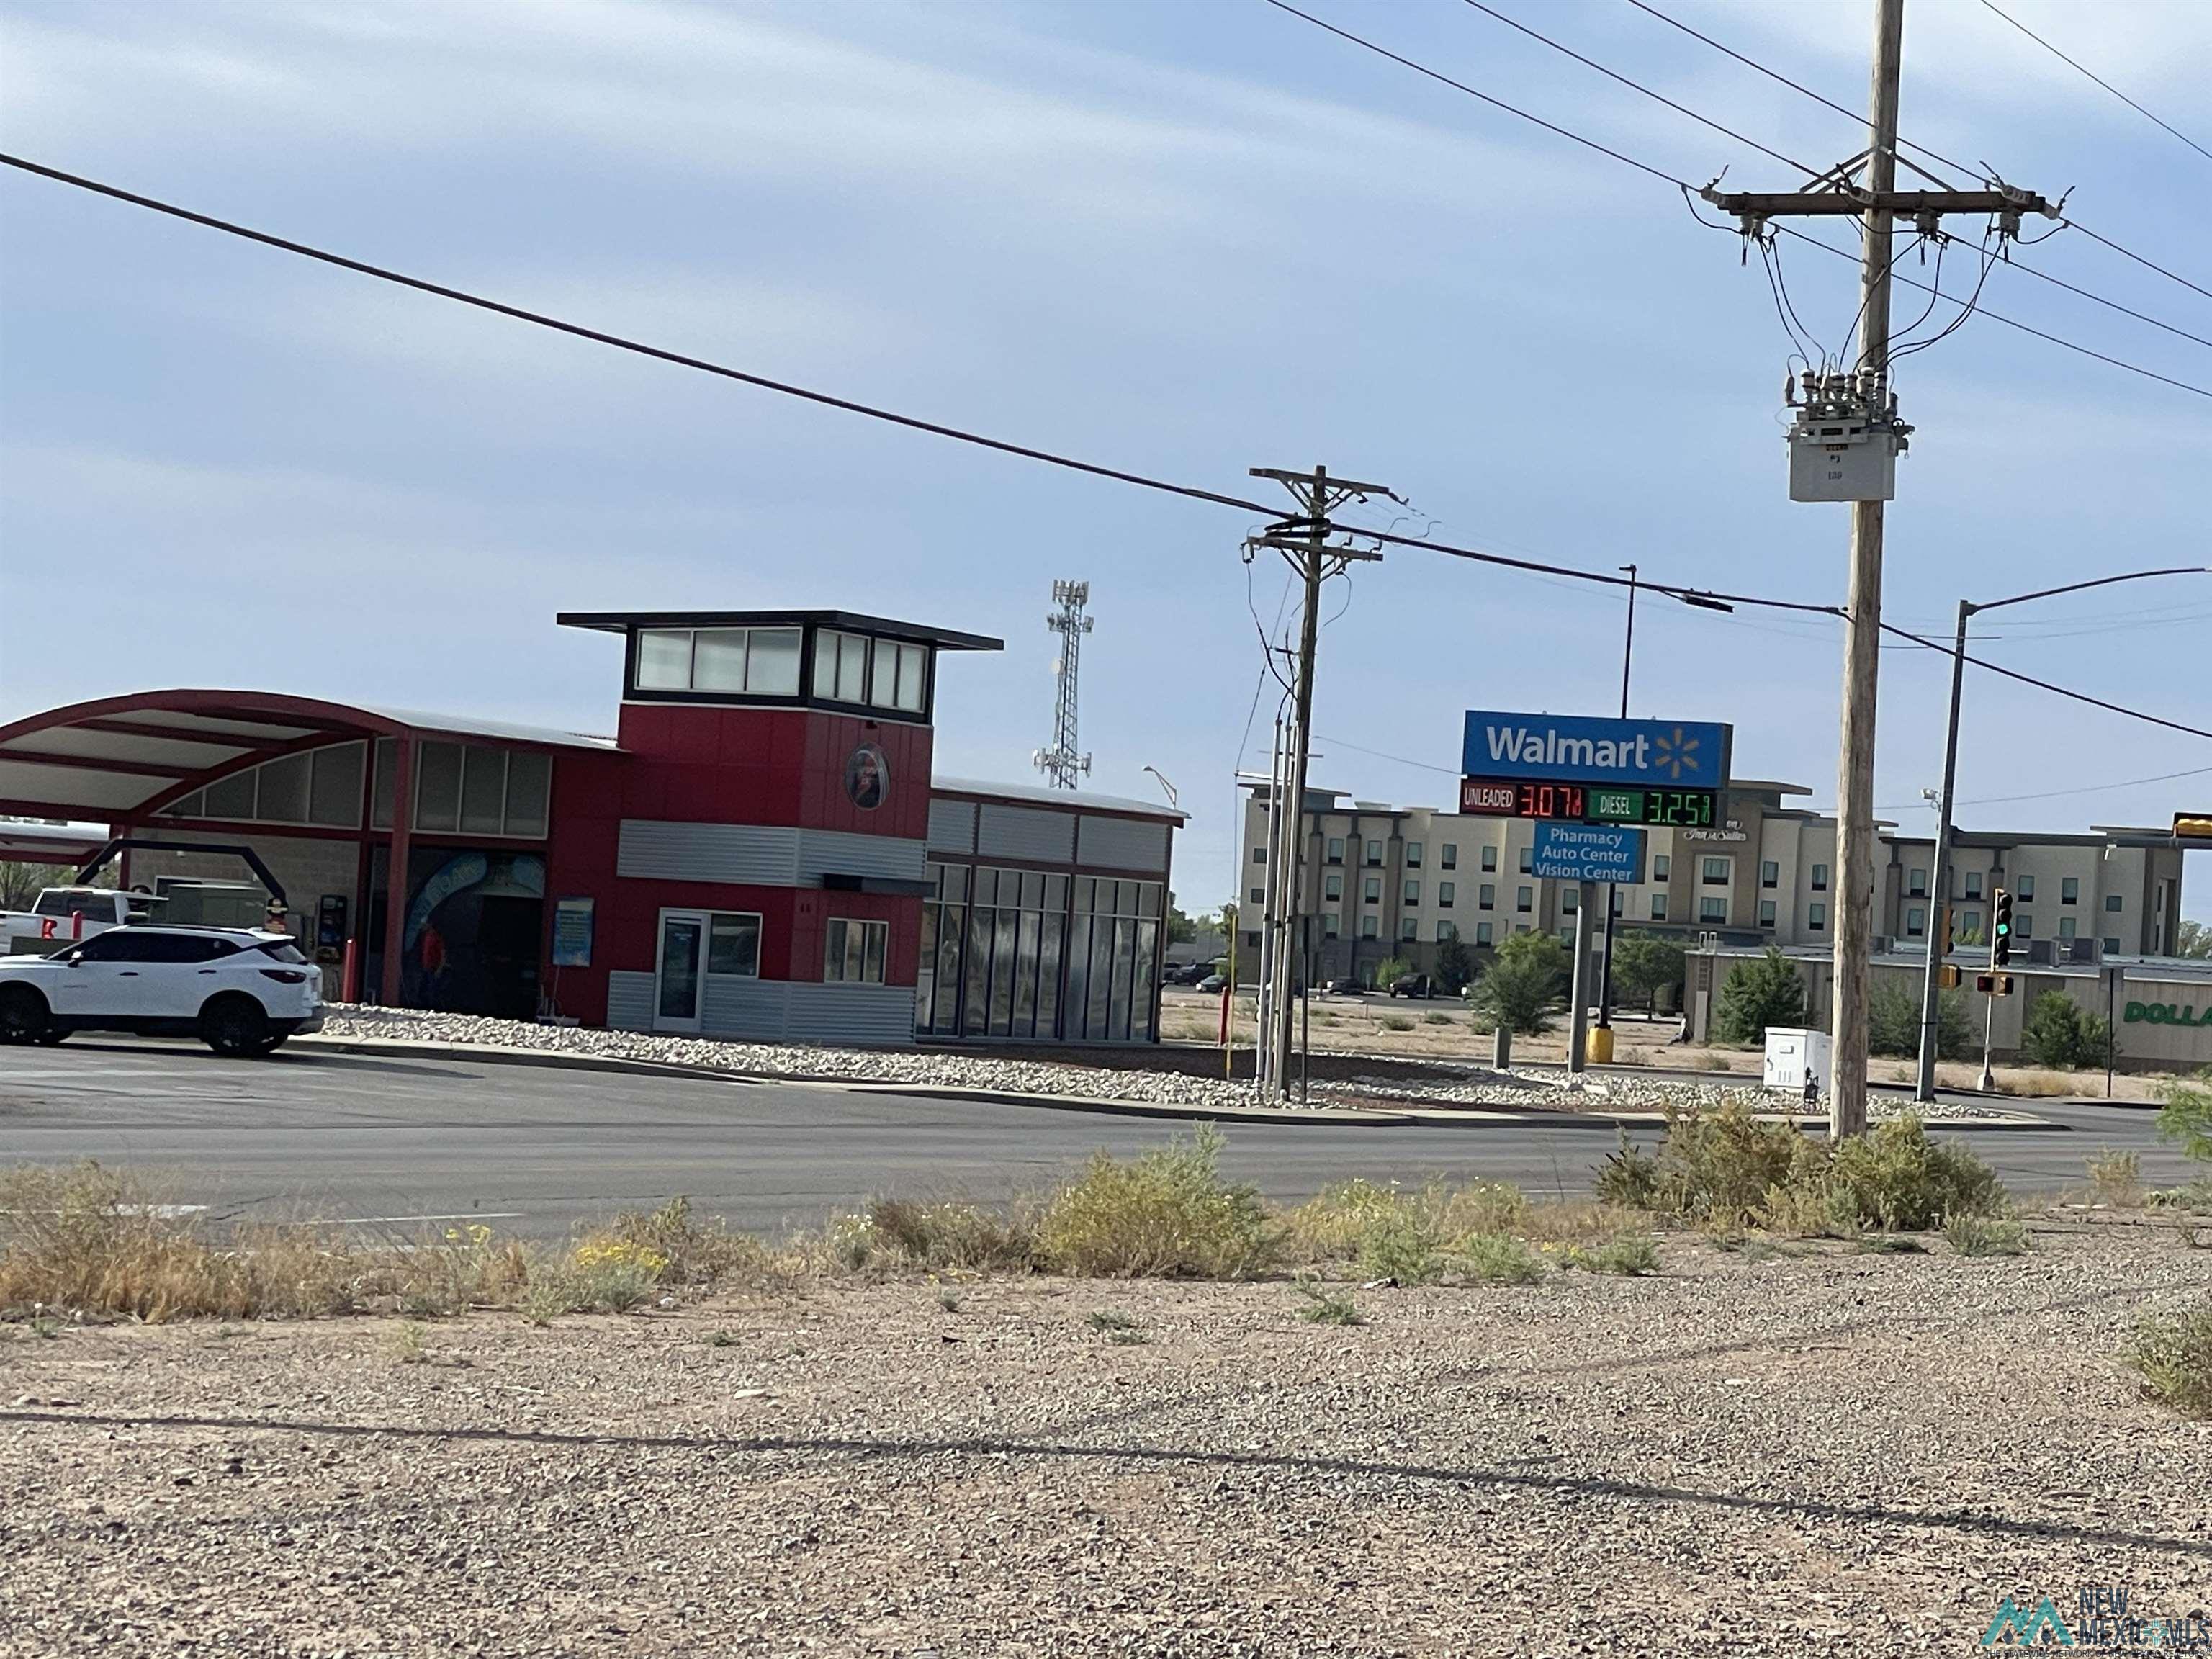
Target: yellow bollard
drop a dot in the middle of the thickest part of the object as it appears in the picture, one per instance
(1597, 1047)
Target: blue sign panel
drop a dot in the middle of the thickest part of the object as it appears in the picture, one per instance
(572, 932)
(1588, 852)
(1573, 749)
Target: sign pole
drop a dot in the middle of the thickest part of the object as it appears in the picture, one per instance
(1578, 992)
(1988, 1085)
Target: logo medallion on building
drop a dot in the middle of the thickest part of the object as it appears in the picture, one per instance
(867, 777)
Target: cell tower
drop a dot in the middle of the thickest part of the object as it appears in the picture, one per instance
(1061, 764)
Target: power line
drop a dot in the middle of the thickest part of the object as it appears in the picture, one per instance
(1637, 86)
(2045, 686)
(1704, 597)
(1860, 119)
(2099, 80)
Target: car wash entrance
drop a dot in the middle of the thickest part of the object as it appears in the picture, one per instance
(470, 931)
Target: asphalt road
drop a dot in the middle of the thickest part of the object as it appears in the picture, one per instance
(398, 1143)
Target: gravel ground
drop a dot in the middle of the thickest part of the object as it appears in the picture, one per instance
(1536, 1088)
(1832, 1454)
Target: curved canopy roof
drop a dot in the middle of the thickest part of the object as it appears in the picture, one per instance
(126, 757)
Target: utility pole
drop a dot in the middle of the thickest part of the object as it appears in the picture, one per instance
(1939, 902)
(1860, 468)
(1304, 541)
(1605, 972)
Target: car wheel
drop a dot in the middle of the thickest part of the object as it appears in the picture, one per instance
(235, 1025)
(23, 1015)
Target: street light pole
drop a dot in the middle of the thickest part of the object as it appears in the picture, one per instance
(1940, 884)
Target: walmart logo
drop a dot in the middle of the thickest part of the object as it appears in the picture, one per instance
(2013, 1627)
(1676, 753)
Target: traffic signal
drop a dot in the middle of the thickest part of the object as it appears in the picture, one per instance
(2001, 937)
(1994, 985)
(1947, 975)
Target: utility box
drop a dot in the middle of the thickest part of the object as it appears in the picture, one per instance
(1796, 1057)
(1843, 457)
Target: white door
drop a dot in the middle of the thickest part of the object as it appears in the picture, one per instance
(680, 979)
(104, 978)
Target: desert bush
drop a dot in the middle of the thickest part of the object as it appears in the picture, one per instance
(946, 1236)
(1758, 994)
(2116, 1178)
(1631, 1255)
(1166, 1212)
(2185, 1116)
(1900, 1181)
(1524, 985)
(1323, 1306)
(1396, 1023)
(2173, 1354)
(2059, 1033)
(1985, 1235)
(1894, 1021)
(1495, 1259)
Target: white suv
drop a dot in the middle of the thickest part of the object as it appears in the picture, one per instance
(239, 991)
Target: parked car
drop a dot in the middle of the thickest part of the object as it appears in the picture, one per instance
(1345, 987)
(1413, 985)
(1212, 982)
(1186, 973)
(241, 991)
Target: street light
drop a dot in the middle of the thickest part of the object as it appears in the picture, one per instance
(1175, 802)
(1938, 940)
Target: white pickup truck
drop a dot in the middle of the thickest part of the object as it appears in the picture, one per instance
(61, 913)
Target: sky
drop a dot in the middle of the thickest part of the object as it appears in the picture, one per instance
(1181, 239)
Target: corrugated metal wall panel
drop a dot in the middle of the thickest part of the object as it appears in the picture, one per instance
(1123, 844)
(1026, 832)
(842, 853)
(629, 1001)
(878, 1016)
(765, 856)
(952, 826)
(749, 1009)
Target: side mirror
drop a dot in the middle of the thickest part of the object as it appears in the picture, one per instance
(74, 957)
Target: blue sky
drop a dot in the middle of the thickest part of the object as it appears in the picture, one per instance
(1181, 239)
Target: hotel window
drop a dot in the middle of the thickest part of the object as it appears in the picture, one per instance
(1332, 884)
(2113, 902)
(1658, 907)
(2066, 927)
(2070, 890)
(1524, 899)
(1446, 932)
(1770, 873)
(841, 666)
(1490, 857)
(1446, 892)
(1374, 853)
(1916, 884)
(1486, 896)
(2111, 947)
(1450, 859)
(1336, 849)
(2027, 888)
(1482, 933)
(1712, 910)
(852, 951)
(1970, 924)
(1619, 900)
(1766, 913)
(1367, 927)
(1409, 927)
(1527, 860)
(1661, 867)
(733, 946)
(1570, 901)
(1716, 872)
(1413, 855)
(1412, 893)
(1330, 926)
(1973, 884)
(1820, 879)
(1816, 918)
(1258, 855)
(1371, 890)
(1259, 896)
(1916, 922)
(2023, 925)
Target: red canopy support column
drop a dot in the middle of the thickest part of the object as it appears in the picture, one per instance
(395, 876)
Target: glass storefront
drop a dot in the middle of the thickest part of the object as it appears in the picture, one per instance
(1031, 954)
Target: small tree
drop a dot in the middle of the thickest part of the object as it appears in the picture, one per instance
(1454, 966)
(2061, 1034)
(1389, 969)
(1524, 985)
(1758, 994)
(2187, 1116)
(2193, 938)
(1894, 1021)
(20, 883)
(1644, 965)
(1181, 928)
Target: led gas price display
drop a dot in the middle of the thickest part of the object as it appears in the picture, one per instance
(1525, 798)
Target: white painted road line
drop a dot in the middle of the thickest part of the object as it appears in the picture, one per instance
(379, 1221)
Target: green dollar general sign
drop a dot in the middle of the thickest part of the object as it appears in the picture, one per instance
(2164, 1013)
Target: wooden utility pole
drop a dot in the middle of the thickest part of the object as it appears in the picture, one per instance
(1304, 541)
(1876, 204)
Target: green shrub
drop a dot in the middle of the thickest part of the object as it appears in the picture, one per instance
(1498, 1259)
(1524, 985)
(2116, 1178)
(1454, 966)
(1166, 1213)
(2061, 1034)
(1630, 1177)
(1983, 1235)
(1396, 1023)
(1900, 1181)
(1327, 1307)
(1630, 1254)
(958, 1237)
(2174, 1353)
(2186, 1116)
(1389, 969)
(1894, 1020)
(1399, 1243)
(1758, 994)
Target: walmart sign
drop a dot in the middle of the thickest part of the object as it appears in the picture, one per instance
(1656, 754)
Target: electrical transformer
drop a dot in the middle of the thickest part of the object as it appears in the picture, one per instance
(1845, 442)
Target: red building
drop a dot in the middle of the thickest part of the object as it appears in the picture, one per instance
(759, 852)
